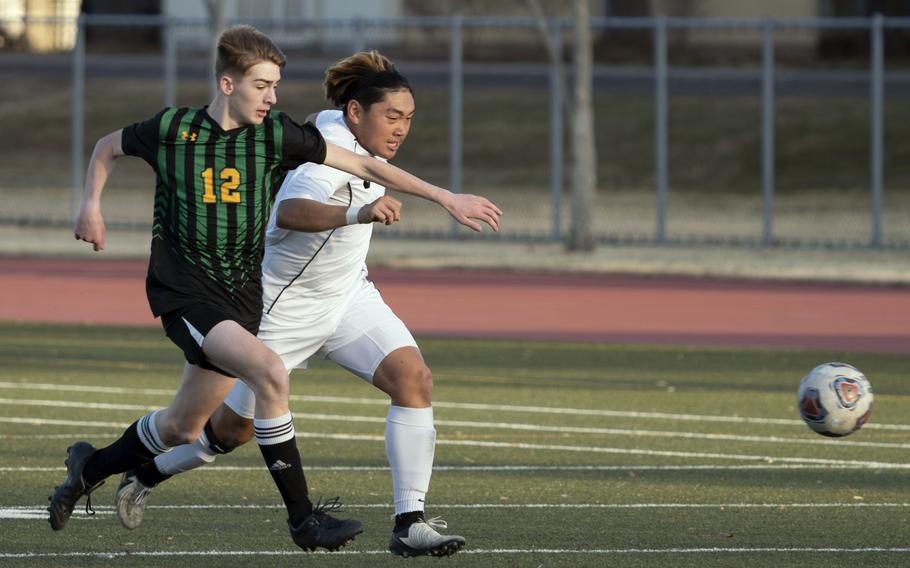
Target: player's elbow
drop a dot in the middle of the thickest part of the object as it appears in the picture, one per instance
(109, 146)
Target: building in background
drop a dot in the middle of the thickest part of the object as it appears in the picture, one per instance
(40, 36)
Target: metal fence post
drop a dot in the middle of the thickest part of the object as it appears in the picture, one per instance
(359, 30)
(660, 125)
(456, 97)
(77, 120)
(556, 129)
(876, 93)
(170, 63)
(768, 133)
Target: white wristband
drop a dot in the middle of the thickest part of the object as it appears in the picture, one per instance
(351, 215)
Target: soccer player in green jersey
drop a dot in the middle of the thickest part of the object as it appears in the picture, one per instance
(218, 168)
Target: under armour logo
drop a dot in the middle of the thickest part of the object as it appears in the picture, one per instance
(189, 135)
(279, 465)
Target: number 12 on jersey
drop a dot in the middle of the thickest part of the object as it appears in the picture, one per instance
(230, 179)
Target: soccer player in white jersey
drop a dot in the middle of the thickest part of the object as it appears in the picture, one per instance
(318, 301)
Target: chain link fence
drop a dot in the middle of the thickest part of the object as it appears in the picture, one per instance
(763, 149)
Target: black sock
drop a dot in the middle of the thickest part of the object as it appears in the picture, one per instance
(283, 461)
(148, 474)
(127, 453)
(405, 520)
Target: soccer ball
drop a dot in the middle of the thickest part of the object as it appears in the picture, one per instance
(834, 399)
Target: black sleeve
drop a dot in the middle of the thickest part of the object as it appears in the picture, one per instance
(141, 139)
(301, 144)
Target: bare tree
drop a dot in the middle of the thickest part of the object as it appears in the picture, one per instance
(217, 17)
(580, 114)
(584, 178)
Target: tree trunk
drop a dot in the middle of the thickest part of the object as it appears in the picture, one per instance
(584, 178)
(217, 14)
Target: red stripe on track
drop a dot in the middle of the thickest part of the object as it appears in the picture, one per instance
(602, 308)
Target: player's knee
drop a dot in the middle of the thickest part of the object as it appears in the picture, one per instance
(224, 434)
(272, 382)
(423, 382)
(241, 436)
(414, 387)
(178, 433)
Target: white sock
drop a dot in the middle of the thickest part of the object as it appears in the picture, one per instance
(148, 434)
(186, 457)
(410, 443)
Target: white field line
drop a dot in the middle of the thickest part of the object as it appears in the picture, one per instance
(104, 509)
(512, 468)
(814, 440)
(60, 422)
(77, 404)
(527, 446)
(77, 436)
(469, 551)
(25, 512)
(463, 406)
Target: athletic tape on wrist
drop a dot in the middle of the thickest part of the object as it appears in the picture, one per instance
(351, 215)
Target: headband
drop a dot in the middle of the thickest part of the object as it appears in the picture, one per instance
(380, 79)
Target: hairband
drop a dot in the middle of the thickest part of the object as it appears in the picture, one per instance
(372, 80)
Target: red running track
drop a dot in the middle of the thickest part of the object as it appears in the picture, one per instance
(600, 308)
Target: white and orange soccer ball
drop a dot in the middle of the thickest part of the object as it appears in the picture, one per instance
(834, 399)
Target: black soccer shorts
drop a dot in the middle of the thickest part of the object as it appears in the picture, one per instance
(187, 327)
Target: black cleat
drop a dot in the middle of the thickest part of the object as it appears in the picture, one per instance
(65, 496)
(422, 539)
(321, 530)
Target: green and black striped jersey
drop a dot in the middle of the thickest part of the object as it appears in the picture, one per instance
(214, 193)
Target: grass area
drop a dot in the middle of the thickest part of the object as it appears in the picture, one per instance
(614, 455)
(715, 140)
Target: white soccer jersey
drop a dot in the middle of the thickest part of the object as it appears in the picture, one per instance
(307, 278)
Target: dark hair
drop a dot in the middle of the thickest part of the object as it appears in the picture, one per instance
(364, 77)
(241, 47)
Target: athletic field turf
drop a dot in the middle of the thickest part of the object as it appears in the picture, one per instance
(549, 454)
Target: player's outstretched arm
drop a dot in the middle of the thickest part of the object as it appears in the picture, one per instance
(464, 208)
(310, 216)
(90, 223)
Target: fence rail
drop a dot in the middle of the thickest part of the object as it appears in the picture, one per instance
(358, 35)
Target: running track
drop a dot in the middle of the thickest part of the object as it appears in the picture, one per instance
(601, 308)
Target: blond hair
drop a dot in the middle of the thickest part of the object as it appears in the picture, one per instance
(241, 47)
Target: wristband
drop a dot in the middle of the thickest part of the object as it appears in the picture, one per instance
(351, 215)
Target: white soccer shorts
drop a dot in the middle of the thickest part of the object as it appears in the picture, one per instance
(367, 333)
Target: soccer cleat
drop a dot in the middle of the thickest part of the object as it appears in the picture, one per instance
(321, 530)
(65, 496)
(130, 500)
(422, 539)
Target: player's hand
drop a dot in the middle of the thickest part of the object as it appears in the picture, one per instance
(386, 210)
(90, 228)
(464, 208)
